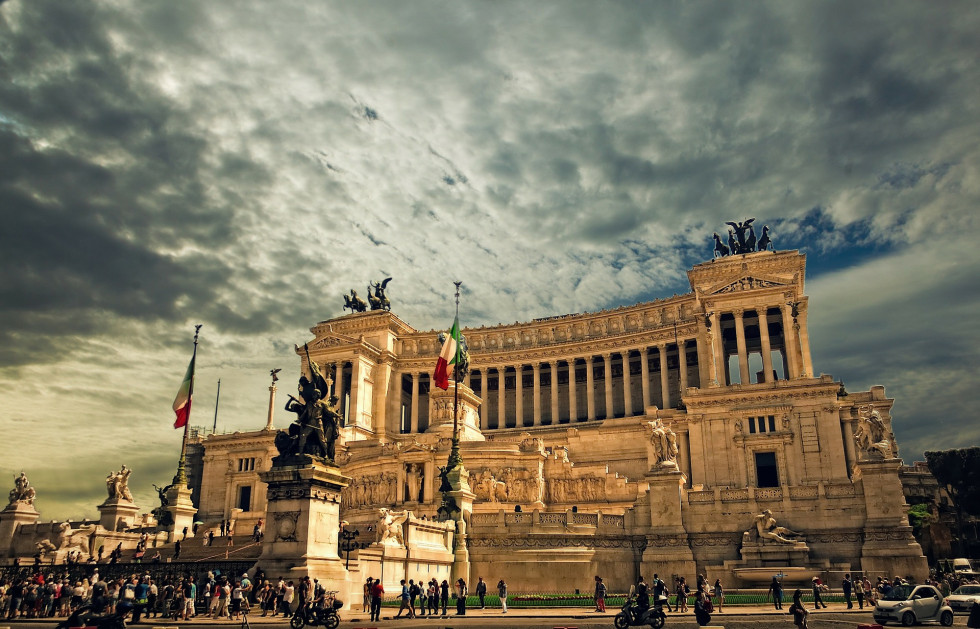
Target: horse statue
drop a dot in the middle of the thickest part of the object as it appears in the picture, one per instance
(750, 241)
(355, 303)
(732, 245)
(720, 249)
(764, 241)
(379, 301)
(740, 229)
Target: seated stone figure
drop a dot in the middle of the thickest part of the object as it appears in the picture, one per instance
(766, 527)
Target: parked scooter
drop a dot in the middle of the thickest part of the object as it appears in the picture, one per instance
(632, 616)
(309, 615)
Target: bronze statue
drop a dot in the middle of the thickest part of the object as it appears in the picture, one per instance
(355, 303)
(720, 249)
(741, 239)
(164, 517)
(379, 301)
(318, 422)
(740, 229)
(765, 242)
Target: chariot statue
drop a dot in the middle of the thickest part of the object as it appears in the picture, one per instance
(379, 301)
(355, 303)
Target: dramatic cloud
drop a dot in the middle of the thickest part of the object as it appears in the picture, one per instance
(243, 164)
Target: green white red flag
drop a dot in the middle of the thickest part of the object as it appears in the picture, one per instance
(182, 403)
(448, 356)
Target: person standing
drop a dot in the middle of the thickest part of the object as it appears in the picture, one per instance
(444, 595)
(366, 602)
(661, 592)
(719, 594)
(461, 593)
(502, 593)
(681, 604)
(600, 595)
(846, 586)
(776, 591)
(481, 592)
(377, 591)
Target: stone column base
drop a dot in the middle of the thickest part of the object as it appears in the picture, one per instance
(117, 514)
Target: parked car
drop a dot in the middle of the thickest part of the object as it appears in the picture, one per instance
(963, 598)
(912, 604)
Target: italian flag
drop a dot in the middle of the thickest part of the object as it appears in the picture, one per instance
(447, 357)
(182, 403)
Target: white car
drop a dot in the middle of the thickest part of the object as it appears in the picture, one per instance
(963, 598)
(911, 604)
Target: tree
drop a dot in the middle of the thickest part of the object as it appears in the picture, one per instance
(958, 472)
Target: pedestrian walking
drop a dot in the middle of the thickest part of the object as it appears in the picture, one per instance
(798, 610)
(846, 585)
(719, 594)
(600, 595)
(818, 586)
(405, 601)
(502, 593)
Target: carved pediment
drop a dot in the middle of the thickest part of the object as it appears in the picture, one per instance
(746, 282)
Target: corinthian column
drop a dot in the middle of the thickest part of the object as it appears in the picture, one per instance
(645, 377)
(664, 377)
(414, 424)
(501, 397)
(682, 364)
(572, 399)
(743, 356)
(627, 393)
(607, 362)
(590, 386)
(519, 394)
(766, 345)
(536, 368)
(554, 392)
(485, 404)
(789, 342)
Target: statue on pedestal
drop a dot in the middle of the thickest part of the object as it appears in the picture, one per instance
(22, 491)
(391, 527)
(117, 484)
(163, 516)
(870, 434)
(767, 529)
(664, 442)
(318, 422)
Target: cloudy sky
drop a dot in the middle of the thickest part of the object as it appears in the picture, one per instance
(244, 164)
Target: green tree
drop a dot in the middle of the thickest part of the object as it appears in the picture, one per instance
(958, 472)
(919, 518)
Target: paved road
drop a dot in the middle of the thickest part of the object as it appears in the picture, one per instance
(543, 619)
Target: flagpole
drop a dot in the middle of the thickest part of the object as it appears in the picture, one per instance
(454, 456)
(217, 399)
(181, 477)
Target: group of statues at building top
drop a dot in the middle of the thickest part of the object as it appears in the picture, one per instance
(117, 484)
(742, 239)
(318, 419)
(377, 300)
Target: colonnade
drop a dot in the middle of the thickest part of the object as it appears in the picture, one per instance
(566, 390)
(793, 344)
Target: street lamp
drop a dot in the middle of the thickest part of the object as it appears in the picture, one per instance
(347, 543)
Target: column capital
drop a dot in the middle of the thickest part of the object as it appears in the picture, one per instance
(536, 366)
(589, 359)
(644, 351)
(739, 313)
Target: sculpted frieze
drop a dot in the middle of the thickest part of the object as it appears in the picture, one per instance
(555, 541)
(377, 489)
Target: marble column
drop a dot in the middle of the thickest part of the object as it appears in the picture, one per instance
(590, 386)
(519, 394)
(849, 450)
(501, 397)
(645, 377)
(554, 392)
(536, 368)
(717, 351)
(684, 450)
(414, 425)
(607, 371)
(664, 377)
(627, 393)
(485, 404)
(766, 346)
(743, 356)
(272, 406)
(682, 364)
(789, 340)
(338, 387)
(805, 346)
(572, 392)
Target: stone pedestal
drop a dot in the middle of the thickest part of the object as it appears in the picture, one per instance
(181, 511)
(117, 514)
(889, 547)
(757, 553)
(11, 518)
(668, 548)
(441, 421)
(303, 524)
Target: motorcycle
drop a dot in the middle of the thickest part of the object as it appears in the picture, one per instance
(326, 616)
(83, 616)
(632, 616)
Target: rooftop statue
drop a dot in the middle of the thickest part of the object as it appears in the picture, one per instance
(742, 239)
(22, 491)
(318, 422)
(379, 301)
(117, 484)
(355, 303)
(870, 434)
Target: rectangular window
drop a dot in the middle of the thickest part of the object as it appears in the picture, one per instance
(245, 497)
(766, 472)
(752, 425)
(772, 423)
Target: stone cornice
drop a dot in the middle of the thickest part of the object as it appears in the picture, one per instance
(746, 397)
